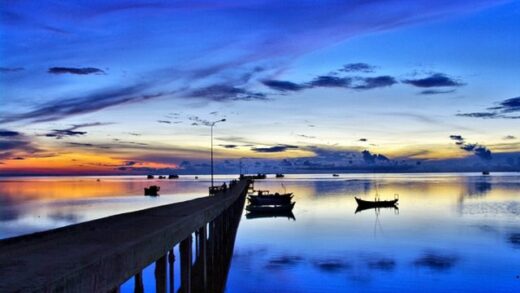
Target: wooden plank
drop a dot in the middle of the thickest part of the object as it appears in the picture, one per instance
(99, 255)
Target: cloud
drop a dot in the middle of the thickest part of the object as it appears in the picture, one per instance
(8, 133)
(435, 80)
(72, 131)
(274, 149)
(367, 83)
(331, 266)
(502, 111)
(478, 150)
(164, 121)
(508, 106)
(229, 146)
(223, 92)
(283, 86)
(62, 108)
(384, 264)
(77, 71)
(330, 81)
(358, 67)
(10, 69)
(509, 137)
(436, 92)
(363, 139)
(372, 158)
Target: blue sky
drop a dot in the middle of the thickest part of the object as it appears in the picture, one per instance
(89, 86)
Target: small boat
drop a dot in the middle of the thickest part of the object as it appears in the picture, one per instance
(376, 203)
(270, 208)
(152, 190)
(162, 177)
(173, 176)
(149, 176)
(335, 175)
(279, 175)
(270, 199)
(485, 172)
(196, 177)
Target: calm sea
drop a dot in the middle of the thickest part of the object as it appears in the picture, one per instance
(451, 233)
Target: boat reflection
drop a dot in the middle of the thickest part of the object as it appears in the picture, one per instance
(376, 209)
(258, 215)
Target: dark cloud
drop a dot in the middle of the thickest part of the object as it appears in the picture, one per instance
(367, 83)
(274, 149)
(358, 67)
(229, 146)
(74, 70)
(61, 108)
(485, 115)
(509, 137)
(10, 69)
(164, 121)
(306, 136)
(222, 92)
(8, 133)
(363, 139)
(435, 80)
(73, 130)
(436, 92)
(508, 106)
(503, 110)
(370, 158)
(130, 163)
(330, 81)
(283, 86)
(456, 137)
(284, 261)
(479, 150)
(436, 261)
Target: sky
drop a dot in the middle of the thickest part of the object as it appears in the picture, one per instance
(113, 87)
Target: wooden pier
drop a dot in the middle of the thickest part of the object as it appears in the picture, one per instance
(98, 256)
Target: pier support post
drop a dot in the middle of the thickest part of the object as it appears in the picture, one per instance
(160, 275)
(138, 283)
(171, 261)
(186, 259)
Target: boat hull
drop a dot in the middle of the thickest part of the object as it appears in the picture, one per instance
(270, 199)
(270, 208)
(375, 204)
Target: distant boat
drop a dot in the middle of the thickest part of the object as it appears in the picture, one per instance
(265, 198)
(279, 175)
(485, 172)
(152, 190)
(173, 176)
(335, 175)
(270, 208)
(149, 176)
(376, 203)
(196, 177)
(162, 177)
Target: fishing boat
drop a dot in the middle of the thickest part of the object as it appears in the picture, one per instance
(152, 190)
(279, 175)
(173, 176)
(149, 176)
(270, 199)
(270, 208)
(376, 203)
(162, 177)
(485, 172)
(335, 175)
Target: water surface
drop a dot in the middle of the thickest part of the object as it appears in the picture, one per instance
(452, 232)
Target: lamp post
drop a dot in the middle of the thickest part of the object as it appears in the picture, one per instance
(213, 124)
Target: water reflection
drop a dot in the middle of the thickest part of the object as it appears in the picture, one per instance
(454, 232)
